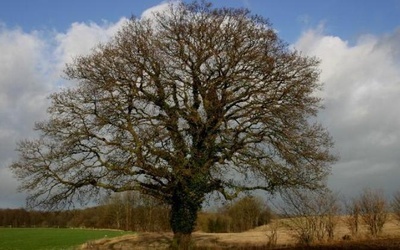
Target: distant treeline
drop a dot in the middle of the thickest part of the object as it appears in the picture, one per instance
(132, 211)
(128, 211)
(142, 219)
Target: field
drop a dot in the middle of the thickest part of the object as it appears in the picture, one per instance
(50, 238)
(257, 239)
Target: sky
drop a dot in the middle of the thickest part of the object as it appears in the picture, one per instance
(357, 41)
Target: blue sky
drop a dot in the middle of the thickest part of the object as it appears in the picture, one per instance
(358, 42)
(345, 18)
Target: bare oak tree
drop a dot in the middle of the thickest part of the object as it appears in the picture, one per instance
(192, 101)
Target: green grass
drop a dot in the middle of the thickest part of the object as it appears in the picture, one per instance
(50, 238)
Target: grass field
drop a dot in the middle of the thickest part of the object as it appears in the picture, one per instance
(50, 238)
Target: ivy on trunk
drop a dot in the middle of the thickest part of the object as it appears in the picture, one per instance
(184, 208)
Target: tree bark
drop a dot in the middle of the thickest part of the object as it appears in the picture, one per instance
(181, 241)
(183, 218)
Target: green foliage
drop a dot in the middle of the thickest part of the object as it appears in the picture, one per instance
(50, 238)
(184, 211)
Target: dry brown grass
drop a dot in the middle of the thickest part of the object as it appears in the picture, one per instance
(257, 239)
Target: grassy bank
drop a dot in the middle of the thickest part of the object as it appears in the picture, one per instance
(50, 238)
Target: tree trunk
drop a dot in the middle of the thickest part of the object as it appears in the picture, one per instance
(181, 241)
(183, 218)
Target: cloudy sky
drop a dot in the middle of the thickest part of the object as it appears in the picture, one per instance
(357, 41)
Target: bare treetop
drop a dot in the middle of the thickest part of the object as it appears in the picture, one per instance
(193, 101)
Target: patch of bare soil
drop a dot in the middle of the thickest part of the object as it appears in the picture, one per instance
(135, 241)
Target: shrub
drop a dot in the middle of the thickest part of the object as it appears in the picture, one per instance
(396, 205)
(373, 208)
(242, 215)
(312, 215)
(219, 224)
(247, 213)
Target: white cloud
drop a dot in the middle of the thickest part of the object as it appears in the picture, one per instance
(30, 69)
(23, 86)
(81, 38)
(161, 8)
(361, 95)
(18, 66)
(23, 91)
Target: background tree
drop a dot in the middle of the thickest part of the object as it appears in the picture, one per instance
(373, 210)
(134, 211)
(396, 205)
(117, 211)
(353, 218)
(312, 216)
(192, 101)
(247, 213)
(241, 215)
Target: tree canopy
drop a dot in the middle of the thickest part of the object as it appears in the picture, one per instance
(195, 100)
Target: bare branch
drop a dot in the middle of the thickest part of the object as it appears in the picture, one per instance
(192, 101)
